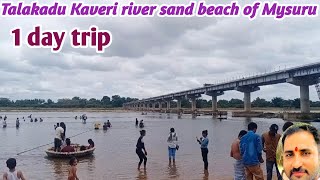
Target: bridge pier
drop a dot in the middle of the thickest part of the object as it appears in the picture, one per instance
(193, 98)
(214, 95)
(247, 90)
(168, 105)
(304, 99)
(304, 83)
(153, 106)
(178, 108)
(160, 106)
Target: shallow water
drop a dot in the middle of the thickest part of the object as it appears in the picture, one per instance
(114, 157)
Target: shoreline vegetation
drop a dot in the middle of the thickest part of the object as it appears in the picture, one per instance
(122, 110)
(115, 104)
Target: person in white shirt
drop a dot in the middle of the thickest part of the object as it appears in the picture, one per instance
(172, 145)
(58, 138)
(12, 174)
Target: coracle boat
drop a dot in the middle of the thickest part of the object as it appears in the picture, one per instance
(78, 153)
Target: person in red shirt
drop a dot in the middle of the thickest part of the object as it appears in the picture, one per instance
(68, 148)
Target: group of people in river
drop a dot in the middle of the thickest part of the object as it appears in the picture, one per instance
(4, 123)
(246, 150)
(83, 117)
(173, 146)
(63, 144)
(140, 124)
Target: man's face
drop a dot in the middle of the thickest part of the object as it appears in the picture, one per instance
(300, 159)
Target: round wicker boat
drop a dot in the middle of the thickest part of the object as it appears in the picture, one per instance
(51, 153)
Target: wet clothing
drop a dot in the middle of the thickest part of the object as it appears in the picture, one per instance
(251, 149)
(172, 152)
(239, 171)
(12, 175)
(140, 153)
(204, 153)
(140, 144)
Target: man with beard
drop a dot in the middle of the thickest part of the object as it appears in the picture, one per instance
(300, 153)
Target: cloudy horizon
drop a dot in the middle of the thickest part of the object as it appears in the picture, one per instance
(155, 56)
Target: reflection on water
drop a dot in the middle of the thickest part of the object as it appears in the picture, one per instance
(142, 174)
(172, 170)
(115, 157)
(205, 175)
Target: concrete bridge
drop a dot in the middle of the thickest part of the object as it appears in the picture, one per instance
(302, 76)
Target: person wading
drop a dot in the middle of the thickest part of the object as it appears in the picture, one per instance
(270, 142)
(139, 147)
(239, 171)
(172, 145)
(204, 141)
(251, 153)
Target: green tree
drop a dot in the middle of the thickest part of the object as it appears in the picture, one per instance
(106, 101)
(261, 103)
(223, 103)
(277, 102)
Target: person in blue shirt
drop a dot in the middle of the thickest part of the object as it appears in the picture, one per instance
(204, 141)
(251, 153)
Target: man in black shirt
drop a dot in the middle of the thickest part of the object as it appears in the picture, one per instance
(139, 147)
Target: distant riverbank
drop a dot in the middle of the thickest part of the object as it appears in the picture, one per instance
(28, 109)
(36, 109)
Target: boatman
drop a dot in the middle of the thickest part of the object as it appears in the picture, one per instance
(58, 138)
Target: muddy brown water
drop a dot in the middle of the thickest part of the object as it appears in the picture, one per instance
(115, 157)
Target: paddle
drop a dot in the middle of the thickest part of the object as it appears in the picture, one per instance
(51, 142)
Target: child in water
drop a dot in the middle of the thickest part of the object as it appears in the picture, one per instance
(73, 169)
(13, 174)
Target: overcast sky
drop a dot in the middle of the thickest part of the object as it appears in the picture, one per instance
(155, 56)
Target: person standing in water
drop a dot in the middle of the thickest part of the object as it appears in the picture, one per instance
(139, 147)
(239, 171)
(12, 174)
(270, 141)
(73, 169)
(204, 141)
(137, 122)
(172, 145)
(17, 123)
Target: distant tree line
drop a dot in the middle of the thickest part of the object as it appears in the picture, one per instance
(117, 101)
(76, 102)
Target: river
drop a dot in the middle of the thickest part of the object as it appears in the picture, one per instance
(114, 157)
